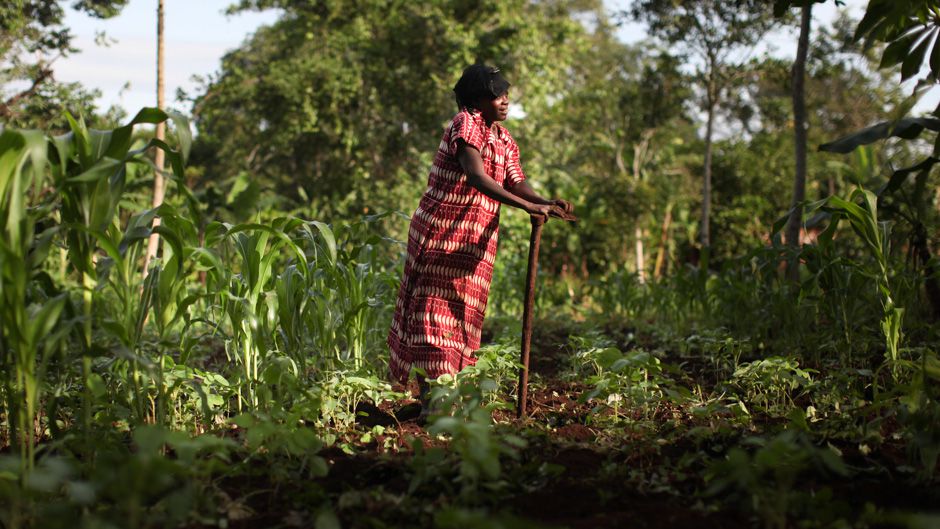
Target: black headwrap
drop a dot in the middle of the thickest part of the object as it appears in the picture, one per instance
(477, 82)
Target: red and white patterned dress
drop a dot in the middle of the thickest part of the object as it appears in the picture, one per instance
(451, 250)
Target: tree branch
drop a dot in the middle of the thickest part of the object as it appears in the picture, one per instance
(6, 107)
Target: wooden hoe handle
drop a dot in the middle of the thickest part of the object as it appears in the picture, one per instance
(534, 240)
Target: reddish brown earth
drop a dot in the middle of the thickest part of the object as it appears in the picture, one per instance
(580, 496)
(589, 490)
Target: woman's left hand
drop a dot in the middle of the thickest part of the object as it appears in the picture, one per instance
(563, 204)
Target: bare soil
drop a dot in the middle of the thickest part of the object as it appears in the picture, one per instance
(592, 487)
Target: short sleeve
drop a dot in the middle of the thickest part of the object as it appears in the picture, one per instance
(468, 128)
(514, 173)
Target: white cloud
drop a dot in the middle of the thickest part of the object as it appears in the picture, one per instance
(197, 36)
(133, 60)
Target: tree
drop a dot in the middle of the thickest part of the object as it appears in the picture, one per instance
(660, 93)
(32, 38)
(799, 132)
(603, 145)
(159, 186)
(910, 29)
(341, 104)
(798, 74)
(714, 32)
(754, 168)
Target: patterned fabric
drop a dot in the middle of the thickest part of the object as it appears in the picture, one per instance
(451, 250)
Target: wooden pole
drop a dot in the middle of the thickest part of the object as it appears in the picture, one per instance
(663, 239)
(159, 187)
(798, 80)
(534, 240)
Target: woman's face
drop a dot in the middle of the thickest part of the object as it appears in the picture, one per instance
(494, 109)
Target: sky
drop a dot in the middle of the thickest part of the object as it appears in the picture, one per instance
(198, 34)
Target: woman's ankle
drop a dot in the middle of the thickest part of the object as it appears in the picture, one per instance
(424, 391)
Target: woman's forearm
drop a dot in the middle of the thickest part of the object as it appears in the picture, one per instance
(524, 190)
(486, 185)
(472, 164)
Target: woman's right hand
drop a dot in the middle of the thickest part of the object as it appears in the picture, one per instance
(539, 210)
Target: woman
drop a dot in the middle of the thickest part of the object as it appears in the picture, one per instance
(453, 234)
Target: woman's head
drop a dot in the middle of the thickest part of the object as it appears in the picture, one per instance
(479, 86)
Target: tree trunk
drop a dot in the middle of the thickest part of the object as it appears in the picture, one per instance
(663, 240)
(640, 262)
(639, 152)
(931, 271)
(159, 186)
(6, 107)
(799, 132)
(705, 236)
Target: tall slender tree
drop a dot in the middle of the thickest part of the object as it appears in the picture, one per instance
(159, 186)
(717, 34)
(800, 124)
(335, 95)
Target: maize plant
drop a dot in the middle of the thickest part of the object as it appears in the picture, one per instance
(31, 330)
(66, 186)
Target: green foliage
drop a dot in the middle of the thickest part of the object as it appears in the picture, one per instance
(32, 36)
(474, 446)
(140, 486)
(772, 383)
(924, 446)
(135, 337)
(266, 436)
(630, 379)
(30, 332)
(339, 395)
(330, 98)
(781, 6)
(229, 375)
(907, 128)
(720, 348)
(626, 106)
(620, 381)
(861, 211)
(456, 518)
(767, 480)
(704, 26)
(87, 169)
(909, 28)
(500, 363)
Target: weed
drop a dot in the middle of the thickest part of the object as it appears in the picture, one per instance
(765, 480)
(771, 383)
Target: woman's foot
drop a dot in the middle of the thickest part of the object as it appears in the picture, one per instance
(417, 411)
(424, 397)
(408, 412)
(424, 390)
(423, 417)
